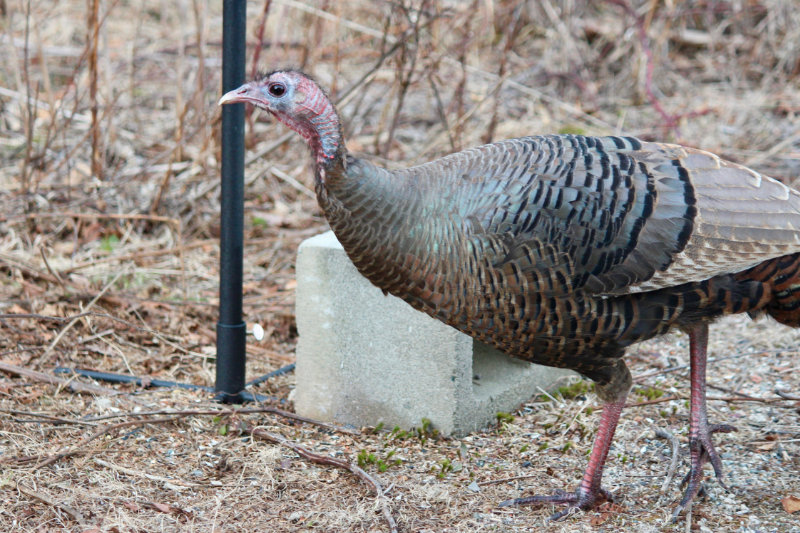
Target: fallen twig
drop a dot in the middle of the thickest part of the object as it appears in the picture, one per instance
(732, 391)
(673, 464)
(231, 412)
(135, 256)
(45, 418)
(165, 337)
(49, 350)
(642, 377)
(96, 434)
(137, 473)
(513, 478)
(75, 514)
(94, 216)
(322, 459)
(786, 395)
(743, 398)
(657, 400)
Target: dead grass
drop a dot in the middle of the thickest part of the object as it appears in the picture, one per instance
(109, 186)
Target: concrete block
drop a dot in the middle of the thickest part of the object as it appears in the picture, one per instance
(364, 358)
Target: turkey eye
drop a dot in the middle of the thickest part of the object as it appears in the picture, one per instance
(276, 89)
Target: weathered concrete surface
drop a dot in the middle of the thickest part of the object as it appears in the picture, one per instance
(365, 358)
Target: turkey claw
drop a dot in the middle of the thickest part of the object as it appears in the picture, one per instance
(580, 499)
(702, 452)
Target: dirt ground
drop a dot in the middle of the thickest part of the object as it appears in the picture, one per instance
(109, 187)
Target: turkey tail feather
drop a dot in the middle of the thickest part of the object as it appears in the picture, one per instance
(782, 276)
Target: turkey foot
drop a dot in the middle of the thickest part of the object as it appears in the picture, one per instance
(589, 493)
(582, 499)
(701, 448)
(701, 445)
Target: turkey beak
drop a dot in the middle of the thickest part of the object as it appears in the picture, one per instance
(247, 93)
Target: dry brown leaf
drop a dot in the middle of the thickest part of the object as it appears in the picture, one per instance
(132, 506)
(163, 507)
(606, 511)
(92, 231)
(791, 504)
(16, 309)
(51, 310)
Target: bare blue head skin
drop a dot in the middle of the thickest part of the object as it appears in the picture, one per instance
(299, 103)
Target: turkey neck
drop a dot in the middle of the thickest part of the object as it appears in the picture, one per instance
(378, 217)
(376, 214)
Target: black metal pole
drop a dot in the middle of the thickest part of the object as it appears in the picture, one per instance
(231, 330)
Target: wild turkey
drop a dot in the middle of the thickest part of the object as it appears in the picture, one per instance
(561, 249)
